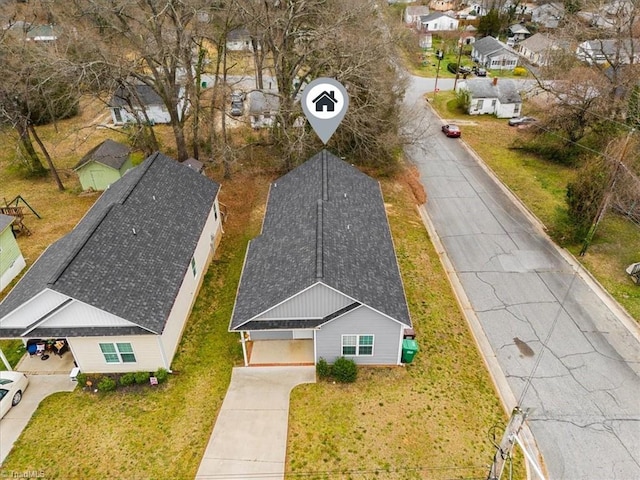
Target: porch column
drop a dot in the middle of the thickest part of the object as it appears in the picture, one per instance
(244, 349)
(5, 361)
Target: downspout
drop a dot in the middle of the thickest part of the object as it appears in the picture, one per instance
(244, 349)
(163, 354)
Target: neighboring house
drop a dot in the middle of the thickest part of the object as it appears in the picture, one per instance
(548, 15)
(468, 35)
(104, 164)
(492, 54)
(11, 259)
(43, 33)
(436, 22)
(538, 49)
(263, 108)
(323, 270)
(490, 96)
(425, 40)
(412, 13)
(611, 51)
(517, 33)
(238, 40)
(140, 105)
(120, 286)
(443, 5)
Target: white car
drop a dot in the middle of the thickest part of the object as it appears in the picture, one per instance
(12, 386)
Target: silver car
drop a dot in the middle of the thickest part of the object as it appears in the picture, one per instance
(12, 386)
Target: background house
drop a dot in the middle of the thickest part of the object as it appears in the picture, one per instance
(131, 104)
(493, 54)
(323, 275)
(517, 33)
(412, 13)
(239, 40)
(103, 164)
(437, 21)
(11, 259)
(118, 289)
(612, 51)
(538, 49)
(548, 15)
(263, 107)
(490, 96)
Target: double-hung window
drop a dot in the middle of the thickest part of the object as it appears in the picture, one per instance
(118, 352)
(357, 345)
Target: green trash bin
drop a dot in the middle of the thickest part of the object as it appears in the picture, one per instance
(409, 350)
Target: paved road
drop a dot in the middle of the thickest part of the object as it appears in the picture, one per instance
(40, 387)
(249, 439)
(539, 311)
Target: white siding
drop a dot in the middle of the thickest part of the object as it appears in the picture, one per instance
(271, 335)
(78, 314)
(191, 284)
(34, 309)
(12, 272)
(89, 358)
(317, 301)
(361, 321)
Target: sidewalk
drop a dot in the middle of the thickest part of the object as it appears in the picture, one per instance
(249, 439)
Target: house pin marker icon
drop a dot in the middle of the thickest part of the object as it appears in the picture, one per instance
(324, 103)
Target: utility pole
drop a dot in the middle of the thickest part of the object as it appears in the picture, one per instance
(440, 55)
(602, 209)
(504, 448)
(458, 64)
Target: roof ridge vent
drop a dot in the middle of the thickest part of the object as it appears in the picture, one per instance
(325, 177)
(319, 237)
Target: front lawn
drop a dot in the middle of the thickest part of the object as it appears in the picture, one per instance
(161, 432)
(427, 420)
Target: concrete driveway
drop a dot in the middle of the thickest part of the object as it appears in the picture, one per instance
(249, 439)
(40, 387)
(564, 347)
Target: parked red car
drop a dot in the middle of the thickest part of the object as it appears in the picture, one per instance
(451, 131)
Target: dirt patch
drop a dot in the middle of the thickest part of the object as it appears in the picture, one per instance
(411, 177)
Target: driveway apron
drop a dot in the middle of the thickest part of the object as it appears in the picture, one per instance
(40, 387)
(249, 439)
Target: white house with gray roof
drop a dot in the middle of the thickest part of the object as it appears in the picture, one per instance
(492, 96)
(492, 54)
(120, 286)
(141, 103)
(323, 274)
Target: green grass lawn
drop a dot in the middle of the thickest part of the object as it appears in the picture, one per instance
(542, 186)
(157, 433)
(427, 420)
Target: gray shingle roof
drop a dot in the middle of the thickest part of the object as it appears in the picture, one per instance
(147, 95)
(109, 153)
(349, 249)
(5, 221)
(505, 90)
(103, 263)
(489, 45)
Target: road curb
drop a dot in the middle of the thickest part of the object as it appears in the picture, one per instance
(612, 304)
(498, 378)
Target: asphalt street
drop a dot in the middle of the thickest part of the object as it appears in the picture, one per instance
(566, 349)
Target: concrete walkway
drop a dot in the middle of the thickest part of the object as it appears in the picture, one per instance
(40, 387)
(249, 439)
